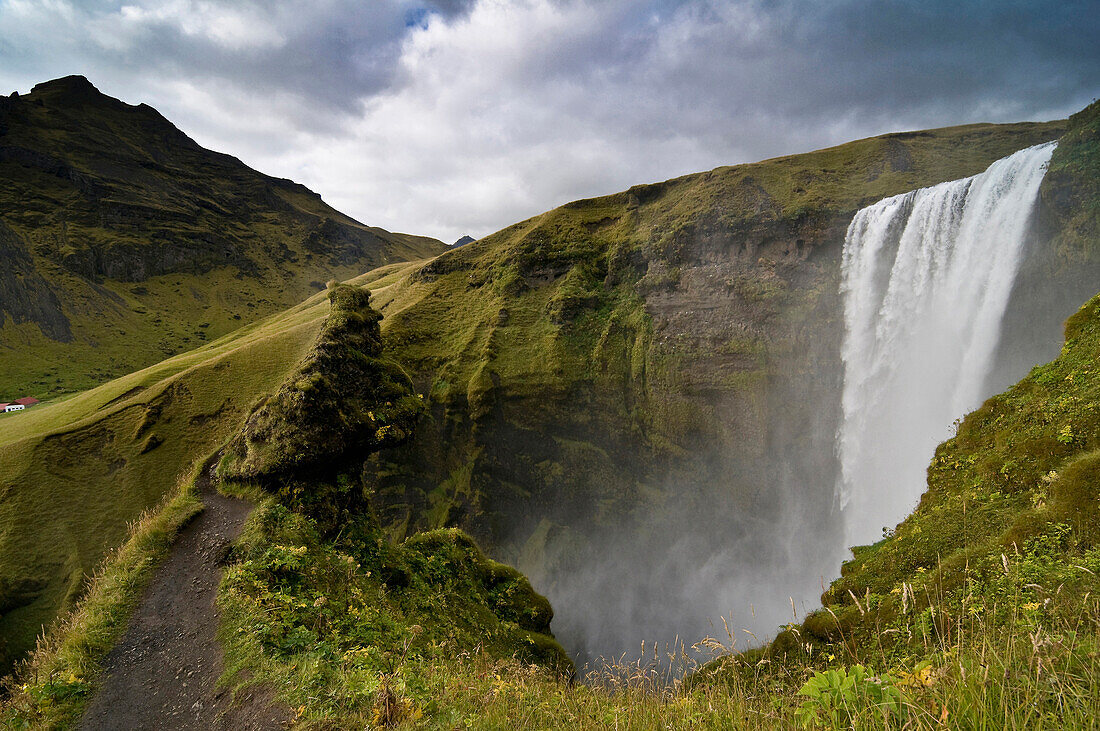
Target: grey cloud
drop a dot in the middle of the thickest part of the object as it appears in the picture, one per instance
(475, 133)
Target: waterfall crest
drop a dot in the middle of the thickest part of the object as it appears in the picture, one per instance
(925, 278)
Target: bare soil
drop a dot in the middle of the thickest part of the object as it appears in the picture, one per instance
(163, 673)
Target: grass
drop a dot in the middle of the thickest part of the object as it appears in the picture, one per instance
(51, 688)
(346, 627)
(1026, 672)
(342, 398)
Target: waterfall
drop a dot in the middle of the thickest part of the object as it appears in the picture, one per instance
(925, 279)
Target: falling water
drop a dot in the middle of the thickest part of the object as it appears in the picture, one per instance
(926, 277)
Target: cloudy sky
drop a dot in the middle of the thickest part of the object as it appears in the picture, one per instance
(445, 117)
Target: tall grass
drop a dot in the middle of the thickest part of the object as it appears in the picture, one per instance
(1023, 675)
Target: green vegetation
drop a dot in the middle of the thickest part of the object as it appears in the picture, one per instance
(348, 629)
(51, 689)
(125, 242)
(341, 398)
(76, 471)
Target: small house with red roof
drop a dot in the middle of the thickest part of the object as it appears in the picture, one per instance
(18, 405)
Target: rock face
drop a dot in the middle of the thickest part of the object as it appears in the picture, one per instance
(102, 194)
(647, 384)
(24, 295)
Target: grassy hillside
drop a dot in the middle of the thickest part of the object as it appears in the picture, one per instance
(124, 241)
(74, 472)
(1011, 513)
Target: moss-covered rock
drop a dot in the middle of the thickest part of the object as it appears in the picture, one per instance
(343, 400)
(335, 618)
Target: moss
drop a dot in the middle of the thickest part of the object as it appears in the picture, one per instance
(342, 398)
(1075, 498)
(822, 626)
(297, 602)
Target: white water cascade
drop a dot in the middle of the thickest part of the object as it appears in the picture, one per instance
(925, 278)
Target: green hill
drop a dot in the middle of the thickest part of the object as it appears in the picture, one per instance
(124, 241)
(75, 472)
(623, 371)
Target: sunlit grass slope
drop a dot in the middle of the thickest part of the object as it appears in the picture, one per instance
(75, 471)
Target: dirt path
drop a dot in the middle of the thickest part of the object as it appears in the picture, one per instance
(162, 673)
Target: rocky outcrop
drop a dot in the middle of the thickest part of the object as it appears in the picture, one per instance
(343, 401)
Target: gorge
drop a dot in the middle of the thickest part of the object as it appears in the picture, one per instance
(646, 402)
(925, 280)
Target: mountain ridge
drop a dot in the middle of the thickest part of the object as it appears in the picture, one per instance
(136, 242)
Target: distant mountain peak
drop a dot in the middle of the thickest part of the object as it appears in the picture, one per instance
(467, 239)
(72, 87)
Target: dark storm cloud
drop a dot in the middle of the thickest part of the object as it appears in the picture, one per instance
(454, 116)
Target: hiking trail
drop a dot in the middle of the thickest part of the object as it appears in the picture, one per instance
(163, 671)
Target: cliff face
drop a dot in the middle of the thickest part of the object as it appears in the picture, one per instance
(650, 380)
(24, 294)
(144, 242)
